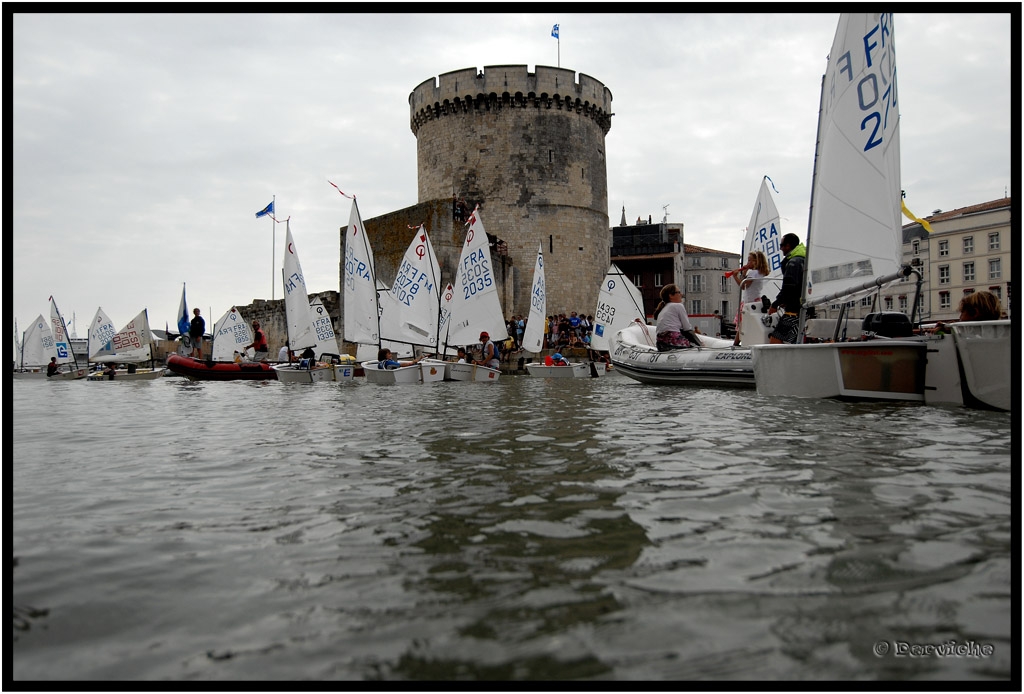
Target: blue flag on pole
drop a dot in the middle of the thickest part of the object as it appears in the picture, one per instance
(183, 319)
(269, 209)
(554, 31)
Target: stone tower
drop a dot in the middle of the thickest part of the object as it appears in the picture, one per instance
(529, 149)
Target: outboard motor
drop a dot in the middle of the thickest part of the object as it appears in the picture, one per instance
(888, 324)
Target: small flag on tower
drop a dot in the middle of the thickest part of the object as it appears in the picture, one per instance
(554, 31)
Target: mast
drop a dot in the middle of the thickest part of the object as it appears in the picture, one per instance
(810, 216)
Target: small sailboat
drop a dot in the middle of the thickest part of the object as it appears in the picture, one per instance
(231, 334)
(475, 307)
(131, 345)
(62, 347)
(854, 244)
(37, 348)
(301, 332)
(327, 342)
(533, 337)
(359, 290)
(410, 315)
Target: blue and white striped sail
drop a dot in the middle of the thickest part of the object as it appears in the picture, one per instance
(855, 230)
(231, 333)
(533, 337)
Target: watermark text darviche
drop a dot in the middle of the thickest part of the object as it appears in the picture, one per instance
(946, 649)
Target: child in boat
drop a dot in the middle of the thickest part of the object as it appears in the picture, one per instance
(674, 330)
(750, 277)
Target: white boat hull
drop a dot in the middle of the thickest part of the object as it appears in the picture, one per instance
(427, 371)
(866, 370)
(573, 370)
(296, 373)
(717, 363)
(72, 375)
(344, 372)
(984, 353)
(125, 375)
(471, 372)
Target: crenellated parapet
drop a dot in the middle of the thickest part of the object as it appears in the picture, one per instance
(498, 87)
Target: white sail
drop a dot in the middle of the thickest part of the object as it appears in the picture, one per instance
(17, 345)
(37, 344)
(764, 233)
(410, 309)
(361, 307)
(134, 342)
(855, 224)
(618, 303)
(326, 340)
(231, 333)
(475, 306)
(296, 298)
(101, 335)
(444, 318)
(60, 336)
(533, 337)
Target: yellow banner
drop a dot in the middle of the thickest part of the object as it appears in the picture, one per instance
(910, 215)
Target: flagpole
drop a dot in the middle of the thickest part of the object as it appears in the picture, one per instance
(273, 244)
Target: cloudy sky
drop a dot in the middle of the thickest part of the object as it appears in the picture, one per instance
(144, 144)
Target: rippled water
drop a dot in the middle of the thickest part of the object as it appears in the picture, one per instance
(589, 529)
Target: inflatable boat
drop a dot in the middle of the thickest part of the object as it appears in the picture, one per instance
(209, 370)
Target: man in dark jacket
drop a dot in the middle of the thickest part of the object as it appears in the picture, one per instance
(788, 300)
(196, 330)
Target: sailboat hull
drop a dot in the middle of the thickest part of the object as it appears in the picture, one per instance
(297, 373)
(71, 375)
(427, 371)
(472, 372)
(575, 370)
(125, 375)
(867, 370)
(983, 354)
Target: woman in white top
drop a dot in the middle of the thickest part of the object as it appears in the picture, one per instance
(674, 330)
(750, 277)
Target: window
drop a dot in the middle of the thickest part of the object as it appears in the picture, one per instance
(696, 306)
(943, 248)
(997, 291)
(917, 246)
(969, 272)
(637, 281)
(968, 245)
(993, 241)
(865, 301)
(903, 303)
(888, 303)
(725, 263)
(995, 268)
(944, 300)
(657, 279)
(725, 285)
(696, 283)
(696, 261)
(943, 274)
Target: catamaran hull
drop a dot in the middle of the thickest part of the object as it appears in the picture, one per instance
(203, 370)
(869, 370)
(718, 363)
